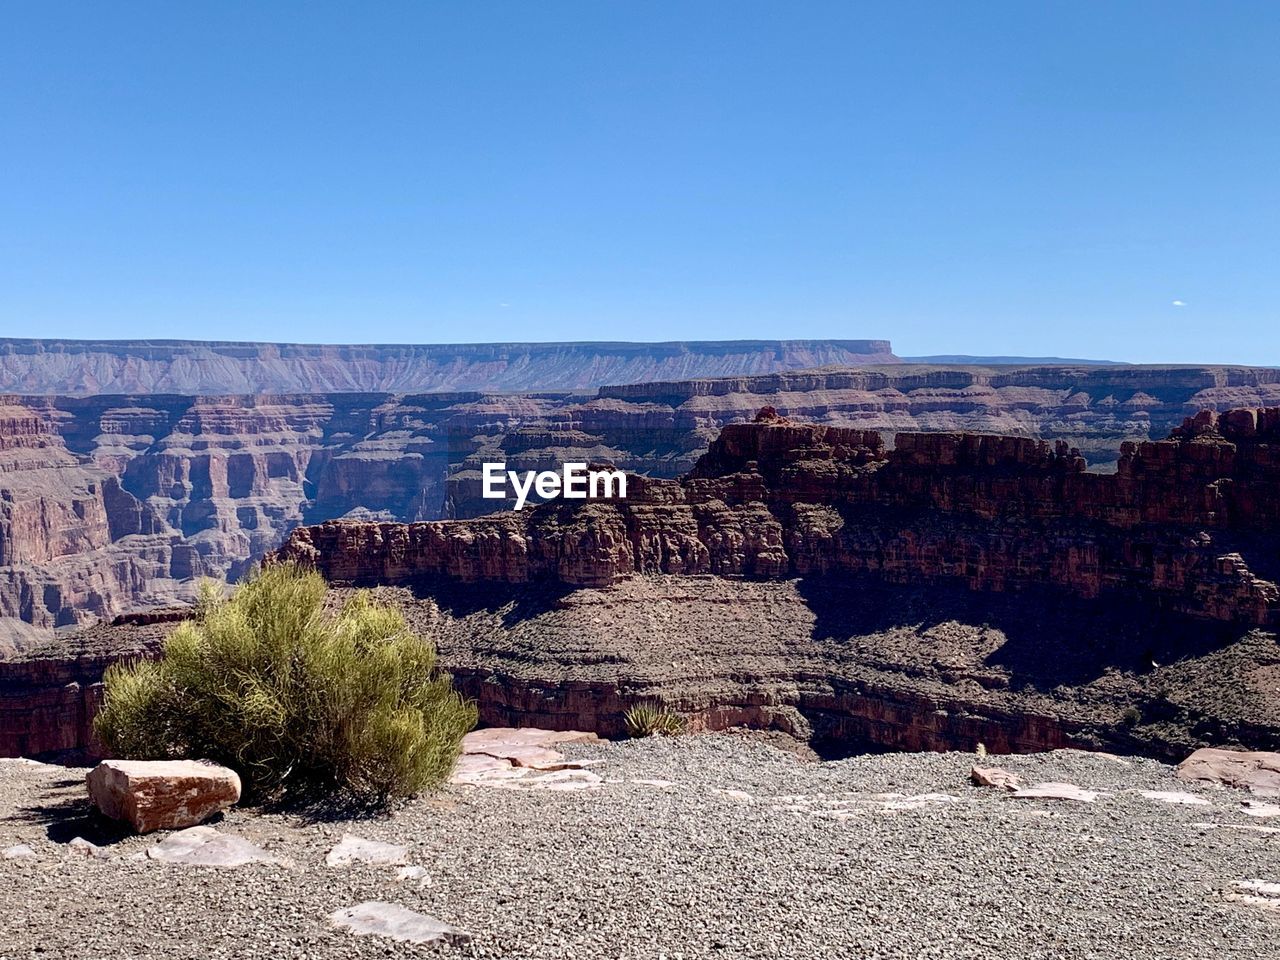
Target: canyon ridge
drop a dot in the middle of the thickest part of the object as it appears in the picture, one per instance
(116, 502)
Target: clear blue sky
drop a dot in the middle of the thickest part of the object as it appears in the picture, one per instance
(979, 177)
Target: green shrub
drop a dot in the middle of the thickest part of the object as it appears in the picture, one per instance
(649, 717)
(304, 704)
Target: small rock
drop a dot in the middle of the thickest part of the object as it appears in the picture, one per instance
(741, 796)
(206, 847)
(1055, 791)
(1262, 887)
(162, 794)
(19, 851)
(414, 873)
(1173, 796)
(995, 777)
(86, 849)
(352, 849)
(397, 923)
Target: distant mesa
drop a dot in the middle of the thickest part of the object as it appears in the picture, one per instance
(82, 367)
(968, 360)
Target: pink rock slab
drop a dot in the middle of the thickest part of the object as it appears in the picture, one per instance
(1258, 771)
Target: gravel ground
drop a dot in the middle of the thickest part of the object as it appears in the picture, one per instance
(796, 859)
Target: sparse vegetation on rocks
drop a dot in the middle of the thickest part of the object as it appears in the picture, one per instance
(650, 718)
(303, 703)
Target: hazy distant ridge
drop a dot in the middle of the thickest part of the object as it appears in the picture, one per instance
(79, 367)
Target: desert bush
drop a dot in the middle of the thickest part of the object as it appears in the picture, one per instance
(303, 703)
(649, 717)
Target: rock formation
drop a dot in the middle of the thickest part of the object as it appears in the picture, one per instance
(113, 503)
(1185, 524)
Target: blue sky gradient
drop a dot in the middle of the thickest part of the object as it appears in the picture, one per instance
(986, 178)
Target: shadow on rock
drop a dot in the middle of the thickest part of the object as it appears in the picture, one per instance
(1039, 638)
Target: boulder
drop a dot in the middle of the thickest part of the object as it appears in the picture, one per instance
(1258, 771)
(162, 794)
(19, 851)
(994, 777)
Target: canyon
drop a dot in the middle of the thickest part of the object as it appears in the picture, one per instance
(928, 591)
(1183, 525)
(110, 503)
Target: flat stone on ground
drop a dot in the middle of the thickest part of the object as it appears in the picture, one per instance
(1257, 771)
(206, 847)
(162, 794)
(353, 849)
(1256, 808)
(523, 746)
(1055, 791)
(19, 851)
(1175, 796)
(481, 741)
(397, 923)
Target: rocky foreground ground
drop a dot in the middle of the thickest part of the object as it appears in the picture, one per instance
(699, 846)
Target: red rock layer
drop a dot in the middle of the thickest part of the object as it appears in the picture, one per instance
(109, 503)
(1183, 522)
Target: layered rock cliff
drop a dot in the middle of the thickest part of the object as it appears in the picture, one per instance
(108, 503)
(1190, 524)
(947, 590)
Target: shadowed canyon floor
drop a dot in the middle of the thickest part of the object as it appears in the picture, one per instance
(847, 665)
(687, 847)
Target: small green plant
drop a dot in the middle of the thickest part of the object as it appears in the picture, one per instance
(982, 749)
(1131, 717)
(649, 717)
(303, 703)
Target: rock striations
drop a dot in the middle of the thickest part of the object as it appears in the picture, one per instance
(1188, 524)
(109, 503)
(946, 590)
(79, 367)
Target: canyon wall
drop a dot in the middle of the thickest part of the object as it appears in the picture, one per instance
(928, 593)
(79, 367)
(113, 502)
(1188, 524)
